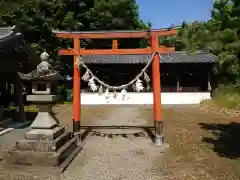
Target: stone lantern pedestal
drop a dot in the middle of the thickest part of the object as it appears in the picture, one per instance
(46, 146)
(44, 126)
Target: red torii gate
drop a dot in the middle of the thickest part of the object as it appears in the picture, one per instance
(77, 51)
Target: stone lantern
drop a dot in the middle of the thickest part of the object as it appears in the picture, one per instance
(44, 92)
(46, 144)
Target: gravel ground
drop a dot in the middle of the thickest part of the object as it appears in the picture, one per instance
(114, 158)
(124, 154)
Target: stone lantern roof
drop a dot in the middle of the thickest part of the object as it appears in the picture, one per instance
(43, 72)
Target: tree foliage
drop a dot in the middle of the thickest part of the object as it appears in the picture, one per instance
(36, 19)
(220, 36)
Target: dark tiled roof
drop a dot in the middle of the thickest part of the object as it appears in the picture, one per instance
(112, 59)
(183, 57)
(175, 57)
(5, 32)
(8, 38)
(13, 41)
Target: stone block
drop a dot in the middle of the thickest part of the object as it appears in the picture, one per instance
(44, 134)
(67, 149)
(43, 145)
(44, 120)
(35, 158)
(30, 158)
(43, 98)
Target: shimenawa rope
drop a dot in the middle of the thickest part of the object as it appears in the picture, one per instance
(90, 77)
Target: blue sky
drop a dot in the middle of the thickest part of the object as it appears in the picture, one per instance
(163, 13)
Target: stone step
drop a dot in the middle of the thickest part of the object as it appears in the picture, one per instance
(67, 149)
(45, 134)
(43, 145)
(41, 170)
(44, 159)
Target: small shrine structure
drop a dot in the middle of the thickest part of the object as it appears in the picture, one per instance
(15, 56)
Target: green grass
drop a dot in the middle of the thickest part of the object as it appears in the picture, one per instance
(225, 98)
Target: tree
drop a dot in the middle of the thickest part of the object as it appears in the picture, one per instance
(220, 36)
(36, 19)
(190, 37)
(224, 39)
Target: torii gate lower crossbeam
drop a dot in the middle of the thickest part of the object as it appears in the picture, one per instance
(151, 35)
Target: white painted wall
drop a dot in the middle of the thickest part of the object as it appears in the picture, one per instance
(145, 98)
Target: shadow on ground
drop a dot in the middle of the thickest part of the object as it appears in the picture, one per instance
(11, 120)
(89, 130)
(225, 140)
(15, 115)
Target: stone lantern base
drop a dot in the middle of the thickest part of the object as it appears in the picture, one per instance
(47, 145)
(42, 149)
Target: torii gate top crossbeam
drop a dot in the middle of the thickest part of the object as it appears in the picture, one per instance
(114, 34)
(147, 34)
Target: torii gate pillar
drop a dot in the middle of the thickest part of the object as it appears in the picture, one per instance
(76, 88)
(157, 93)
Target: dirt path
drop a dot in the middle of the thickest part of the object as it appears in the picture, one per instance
(124, 116)
(114, 158)
(121, 156)
(202, 146)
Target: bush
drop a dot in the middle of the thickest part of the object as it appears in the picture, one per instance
(226, 97)
(29, 108)
(67, 94)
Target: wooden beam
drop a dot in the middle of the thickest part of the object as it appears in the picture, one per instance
(113, 35)
(114, 44)
(66, 52)
(161, 50)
